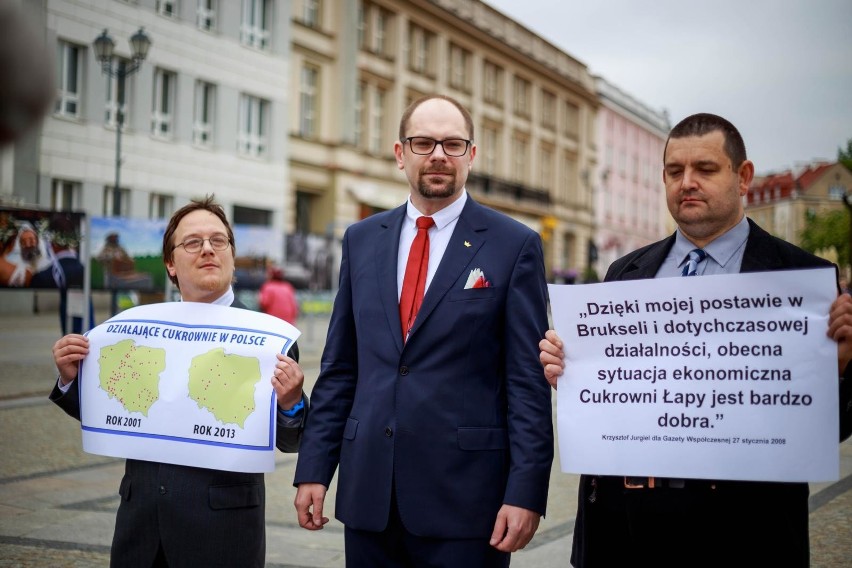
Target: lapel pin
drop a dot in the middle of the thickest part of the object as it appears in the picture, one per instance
(467, 244)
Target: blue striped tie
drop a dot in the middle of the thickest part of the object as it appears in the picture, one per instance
(696, 256)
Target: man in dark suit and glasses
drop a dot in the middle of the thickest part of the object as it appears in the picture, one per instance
(437, 419)
(700, 522)
(176, 515)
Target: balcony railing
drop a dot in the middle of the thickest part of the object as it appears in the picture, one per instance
(496, 187)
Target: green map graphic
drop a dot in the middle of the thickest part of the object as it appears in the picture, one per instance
(131, 374)
(224, 384)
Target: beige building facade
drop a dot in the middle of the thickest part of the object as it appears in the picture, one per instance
(355, 66)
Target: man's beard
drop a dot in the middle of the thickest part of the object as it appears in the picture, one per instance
(430, 191)
(30, 253)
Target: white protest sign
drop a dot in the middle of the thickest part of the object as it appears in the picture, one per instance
(184, 383)
(716, 377)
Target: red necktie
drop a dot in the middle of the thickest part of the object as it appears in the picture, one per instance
(414, 282)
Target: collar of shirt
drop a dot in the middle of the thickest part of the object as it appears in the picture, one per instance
(225, 299)
(439, 236)
(724, 254)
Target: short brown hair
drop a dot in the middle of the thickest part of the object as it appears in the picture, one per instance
(206, 204)
(406, 115)
(705, 123)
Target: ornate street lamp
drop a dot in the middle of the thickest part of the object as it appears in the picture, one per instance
(104, 47)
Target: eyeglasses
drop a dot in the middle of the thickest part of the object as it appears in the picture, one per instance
(194, 245)
(453, 147)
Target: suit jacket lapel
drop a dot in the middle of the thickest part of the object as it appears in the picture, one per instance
(386, 266)
(647, 264)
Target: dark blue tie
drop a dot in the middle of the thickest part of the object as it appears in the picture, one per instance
(696, 256)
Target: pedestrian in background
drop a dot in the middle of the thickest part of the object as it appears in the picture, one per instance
(661, 522)
(277, 297)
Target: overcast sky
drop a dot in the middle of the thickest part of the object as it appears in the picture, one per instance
(780, 70)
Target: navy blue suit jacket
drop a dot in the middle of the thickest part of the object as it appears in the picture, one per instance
(458, 418)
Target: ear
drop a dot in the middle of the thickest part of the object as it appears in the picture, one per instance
(745, 175)
(397, 152)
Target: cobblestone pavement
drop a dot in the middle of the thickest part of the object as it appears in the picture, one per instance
(57, 503)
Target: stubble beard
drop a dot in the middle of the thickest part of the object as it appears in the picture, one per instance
(433, 191)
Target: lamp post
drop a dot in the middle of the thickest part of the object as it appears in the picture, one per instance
(104, 47)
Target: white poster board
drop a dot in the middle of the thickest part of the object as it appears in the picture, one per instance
(716, 377)
(184, 383)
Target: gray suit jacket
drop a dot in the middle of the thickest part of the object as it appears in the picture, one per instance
(200, 517)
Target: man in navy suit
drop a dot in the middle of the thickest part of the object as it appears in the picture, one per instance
(440, 426)
(661, 522)
(176, 515)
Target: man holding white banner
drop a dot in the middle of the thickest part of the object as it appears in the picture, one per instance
(627, 519)
(180, 515)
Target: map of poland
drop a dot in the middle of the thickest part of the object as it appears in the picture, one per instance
(224, 385)
(131, 374)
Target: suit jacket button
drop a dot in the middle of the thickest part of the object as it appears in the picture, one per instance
(162, 489)
(388, 432)
(403, 370)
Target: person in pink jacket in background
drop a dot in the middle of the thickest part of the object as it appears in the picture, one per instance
(278, 297)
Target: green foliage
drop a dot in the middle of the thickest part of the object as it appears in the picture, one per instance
(845, 156)
(828, 230)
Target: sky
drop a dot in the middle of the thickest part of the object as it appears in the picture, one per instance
(779, 70)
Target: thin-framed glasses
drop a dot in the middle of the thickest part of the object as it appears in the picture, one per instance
(422, 145)
(194, 245)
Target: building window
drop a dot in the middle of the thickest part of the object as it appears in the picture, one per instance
(123, 202)
(492, 83)
(490, 155)
(522, 97)
(252, 216)
(311, 13)
(377, 121)
(379, 31)
(358, 126)
(164, 102)
(459, 68)
(520, 158)
(361, 26)
(251, 140)
(548, 110)
(68, 70)
(308, 92)
(202, 122)
(374, 29)
(116, 95)
(836, 192)
(167, 8)
(568, 188)
(254, 30)
(64, 195)
(205, 15)
(545, 168)
(572, 120)
(420, 44)
(160, 206)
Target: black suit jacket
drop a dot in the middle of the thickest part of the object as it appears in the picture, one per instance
(705, 523)
(200, 517)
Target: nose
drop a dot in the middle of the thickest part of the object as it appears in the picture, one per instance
(438, 153)
(207, 246)
(689, 179)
